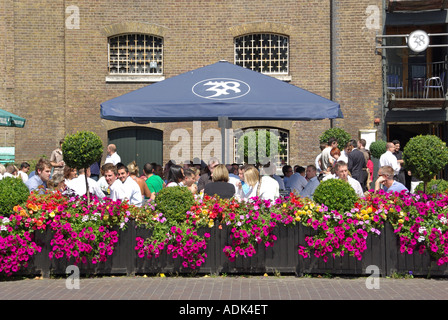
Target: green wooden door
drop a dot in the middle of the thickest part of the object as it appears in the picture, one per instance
(140, 144)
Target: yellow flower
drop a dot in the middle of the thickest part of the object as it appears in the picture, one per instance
(400, 221)
(162, 275)
(211, 223)
(51, 214)
(365, 217)
(297, 219)
(369, 210)
(284, 205)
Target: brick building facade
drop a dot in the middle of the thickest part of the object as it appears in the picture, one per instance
(54, 62)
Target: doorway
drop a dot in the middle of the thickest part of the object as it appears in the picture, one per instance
(137, 143)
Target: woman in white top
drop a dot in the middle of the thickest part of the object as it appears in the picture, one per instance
(175, 176)
(264, 187)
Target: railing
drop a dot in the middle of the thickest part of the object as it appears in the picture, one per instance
(417, 81)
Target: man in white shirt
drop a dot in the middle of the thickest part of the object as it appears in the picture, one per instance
(313, 182)
(112, 155)
(389, 159)
(78, 184)
(23, 171)
(341, 171)
(297, 181)
(115, 185)
(130, 186)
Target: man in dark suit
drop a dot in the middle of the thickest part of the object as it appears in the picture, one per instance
(357, 165)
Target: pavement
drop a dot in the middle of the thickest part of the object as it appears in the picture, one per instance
(217, 288)
(264, 297)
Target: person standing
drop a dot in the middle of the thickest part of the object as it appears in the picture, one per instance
(325, 158)
(401, 176)
(388, 158)
(357, 165)
(57, 162)
(207, 176)
(154, 182)
(112, 155)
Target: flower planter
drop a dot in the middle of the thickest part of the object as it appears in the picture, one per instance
(403, 263)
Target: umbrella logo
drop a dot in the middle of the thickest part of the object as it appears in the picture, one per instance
(221, 89)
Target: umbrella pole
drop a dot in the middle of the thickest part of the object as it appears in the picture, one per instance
(224, 123)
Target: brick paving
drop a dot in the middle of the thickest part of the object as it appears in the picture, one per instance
(224, 288)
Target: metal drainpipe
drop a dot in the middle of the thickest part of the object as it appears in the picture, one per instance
(332, 53)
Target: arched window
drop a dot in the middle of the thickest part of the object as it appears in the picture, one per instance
(261, 144)
(267, 53)
(138, 54)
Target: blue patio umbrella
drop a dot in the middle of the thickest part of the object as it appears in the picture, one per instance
(221, 91)
(217, 91)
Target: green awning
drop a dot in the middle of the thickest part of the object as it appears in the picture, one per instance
(7, 119)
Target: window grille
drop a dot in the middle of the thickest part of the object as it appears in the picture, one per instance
(135, 54)
(263, 52)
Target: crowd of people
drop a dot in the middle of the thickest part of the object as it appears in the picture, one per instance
(116, 180)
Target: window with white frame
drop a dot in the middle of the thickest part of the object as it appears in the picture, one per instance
(135, 54)
(267, 53)
(255, 145)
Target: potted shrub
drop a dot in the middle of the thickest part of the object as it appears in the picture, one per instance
(425, 156)
(81, 150)
(340, 134)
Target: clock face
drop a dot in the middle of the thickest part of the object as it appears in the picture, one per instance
(418, 41)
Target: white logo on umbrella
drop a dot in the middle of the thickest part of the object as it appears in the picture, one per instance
(221, 89)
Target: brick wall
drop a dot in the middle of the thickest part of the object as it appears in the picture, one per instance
(59, 73)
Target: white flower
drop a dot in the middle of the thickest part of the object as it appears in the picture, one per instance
(421, 238)
(85, 218)
(2, 228)
(421, 229)
(443, 220)
(5, 221)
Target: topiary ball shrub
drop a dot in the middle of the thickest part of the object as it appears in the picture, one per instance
(425, 156)
(377, 148)
(336, 194)
(174, 202)
(13, 191)
(434, 186)
(340, 134)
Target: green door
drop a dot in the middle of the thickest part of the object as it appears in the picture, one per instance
(140, 144)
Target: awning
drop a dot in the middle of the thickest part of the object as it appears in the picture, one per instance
(7, 119)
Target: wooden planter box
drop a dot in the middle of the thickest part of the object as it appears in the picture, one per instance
(382, 252)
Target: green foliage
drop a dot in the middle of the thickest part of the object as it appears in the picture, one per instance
(255, 146)
(174, 202)
(336, 194)
(340, 134)
(13, 191)
(377, 148)
(425, 156)
(434, 186)
(82, 149)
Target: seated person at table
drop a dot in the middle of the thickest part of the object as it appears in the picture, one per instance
(220, 185)
(386, 181)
